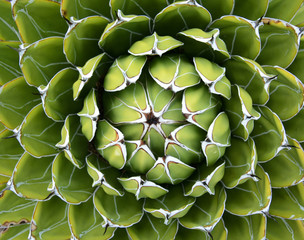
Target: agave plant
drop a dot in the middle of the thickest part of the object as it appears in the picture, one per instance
(141, 119)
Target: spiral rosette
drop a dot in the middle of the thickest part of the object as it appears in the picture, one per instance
(128, 119)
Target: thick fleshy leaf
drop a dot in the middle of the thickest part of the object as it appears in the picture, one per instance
(226, 6)
(280, 228)
(58, 99)
(204, 44)
(268, 134)
(114, 211)
(17, 99)
(250, 9)
(173, 205)
(81, 41)
(10, 152)
(71, 184)
(279, 43)
(288, 202)
(9, 60)
(294, 126)
(8, 31)
(250, 197)
(41, 60)
(38, 19)
(124, 71)
(154, 45)
(240, 112)
(218, 139)
(153, 228)
(14, 209)
(73, 142)
(141, 188)
(288, 163)
(39, 134)
(79, 9)
(91, 228)
(32, 176)
(250, 76)
(137, 7)
(206, 212)
(245, 227)
(89, 115)
(286, 93)
(240, 35)
(296, 66)
(16, 231)
(123, 32)
(110, 144)
(90, 74)
(184, 15)
(46, 224)
(219, 232)
(241, 161)
(169, 169)
(283, 10)
(204, 180)
(104, 175)
(173, 72)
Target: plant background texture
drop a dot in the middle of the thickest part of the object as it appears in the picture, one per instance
(151, 119)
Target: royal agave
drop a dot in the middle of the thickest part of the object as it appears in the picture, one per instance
(141, 119)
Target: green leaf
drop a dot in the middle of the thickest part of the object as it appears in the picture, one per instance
(110, 144)
(79, 9)
(154, 45)
(219, 232)
(104, 175)
(204, 180)
(206, 212)
(288, 202)
(173, 72)
(137, 7)
(153, 228)
(172, 205)
(32, 176)
(46, 224)
(169, 169)
(249, 75)
(241, 160)
(288, 163)
(279, 43)
(39, 134)
(245, 227)
(124, 71)
(280, 228)
(114, 211)
(217, 8)
(240, 112)
(184, 15)
(15, 209)
(204, 44)
(9, 60)
(71, 184)
(123, 32)
(8, 31)
(38, 19)
(89, 115)
(250, 197)
(286, 93)
(250, 9)
(283, 10)
(240, 35)
(268, 134)
(295, 66)
(91, 228)
(73, 142)
(16, 231)
(81, 40)
(294, 126)
(41, 60)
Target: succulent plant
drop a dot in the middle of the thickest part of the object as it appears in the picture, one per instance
(163, 119)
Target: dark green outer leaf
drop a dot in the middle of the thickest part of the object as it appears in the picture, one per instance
(8, 30)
